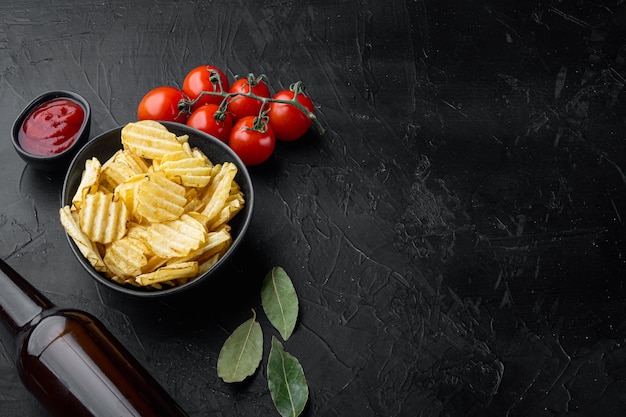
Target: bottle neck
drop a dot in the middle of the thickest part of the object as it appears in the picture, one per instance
(20, 302)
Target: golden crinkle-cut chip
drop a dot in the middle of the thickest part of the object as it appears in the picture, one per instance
(127, 191)
(70, 223)
(186, 169)
(89, 181)
(168, 273)
(158, 199)
(177, 237)
(197, 153)
(138, 231)
(234, 203)
(193, 200)
(149, 139)
(156, 213)
(215, 242)
(126, 257)
(218, 190)
(102, 218)
(120, 167)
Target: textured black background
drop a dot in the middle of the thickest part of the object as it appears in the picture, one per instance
(456, 237)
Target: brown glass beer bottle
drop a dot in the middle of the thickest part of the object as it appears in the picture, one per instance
(70, 362)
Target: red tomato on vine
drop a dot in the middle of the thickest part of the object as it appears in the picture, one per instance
(240, 105)
(210, 119)
(288, 121)
(164, 103)
(205, 78)
(252, 140)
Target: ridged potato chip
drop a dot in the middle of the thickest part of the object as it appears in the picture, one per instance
(122, 166)
(102, 218)
(169, 273)
(89, 181)
(193, 200)
(218, 190)
(127, 191)
(208, 264)
(149, 139)
(214, 243)
(185, 169)
(177, 237)
(159, 199)
(69, 220)
(234, 204)
(126, 257)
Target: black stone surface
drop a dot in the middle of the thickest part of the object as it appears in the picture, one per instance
(456, 237)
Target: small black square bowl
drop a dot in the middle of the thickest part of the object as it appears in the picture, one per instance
(58, 161)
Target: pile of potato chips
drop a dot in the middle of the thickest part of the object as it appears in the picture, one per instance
(156, 213)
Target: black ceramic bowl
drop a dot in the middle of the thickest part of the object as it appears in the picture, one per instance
(106, 144)
(58, 161)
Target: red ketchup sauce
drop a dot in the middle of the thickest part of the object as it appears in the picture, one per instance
(51, 127)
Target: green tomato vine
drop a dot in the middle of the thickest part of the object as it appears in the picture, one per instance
(260, 124)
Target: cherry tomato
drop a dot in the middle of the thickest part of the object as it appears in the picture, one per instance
(205, 78)
(203, 118)
(241, 106)
(163, 103)
(252, 141)
(289, 122)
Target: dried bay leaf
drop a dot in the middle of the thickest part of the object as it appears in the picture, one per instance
(280, 301)
(241, 353)
(286, 381)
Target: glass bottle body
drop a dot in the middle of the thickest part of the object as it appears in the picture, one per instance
(75, 367)
(70, 361)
